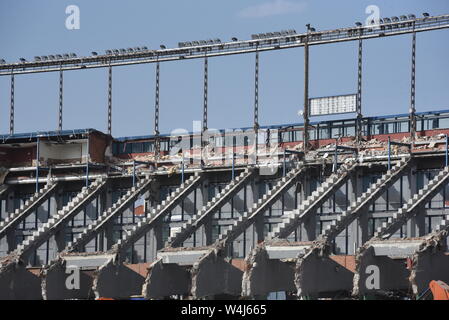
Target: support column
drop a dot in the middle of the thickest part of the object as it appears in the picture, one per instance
(11, 236)
(205, 94)
(412, 90)
(108, 233)
(207, 238)
(110, 101)
(252, 195)
(409, 191)
(359, 93)
(306, 96)
(157, 143)
(307, 229)
(158, 231)
(11, 106)
(206, 230)
(256, 107)
(61, 83)
(359, 229)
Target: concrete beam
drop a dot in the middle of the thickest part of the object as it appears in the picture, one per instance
(181, 257)
(395, 248)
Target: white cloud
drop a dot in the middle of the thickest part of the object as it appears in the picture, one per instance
(271, 8)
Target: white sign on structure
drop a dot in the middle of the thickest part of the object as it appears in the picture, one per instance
(332, 105)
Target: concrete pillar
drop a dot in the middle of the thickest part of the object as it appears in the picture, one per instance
(10, 202)
(207, 231)
(157, 235)
(11, 240)
(107, 236)
(359, 228)
(259, 225)
(410, 188)
(257, 228)
(9, 206)
(60, 239)
(307, 229)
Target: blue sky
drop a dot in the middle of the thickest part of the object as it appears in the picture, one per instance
(32, 27)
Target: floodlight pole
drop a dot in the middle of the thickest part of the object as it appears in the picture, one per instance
(37, 164)
(11, 106)
(256, 106)
(157, 148)
(359, 91)
(205, 93)
(205, 87)
(412, 90)
(61, 83)
(306, 92)
(110, 100)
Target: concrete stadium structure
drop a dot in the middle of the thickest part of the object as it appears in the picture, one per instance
(348, 208)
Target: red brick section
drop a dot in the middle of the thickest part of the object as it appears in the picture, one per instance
(315, 143)
(239, 264)
(18, 157)
(140, 268)
(97, 146)
(346, 261)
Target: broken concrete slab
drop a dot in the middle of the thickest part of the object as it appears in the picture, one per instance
(431, 262)
(116, 280)
(379, 272)
(62, 283)
(317, 275)
(19, 283)
(165, 280)
(267, 273)
(213, 274)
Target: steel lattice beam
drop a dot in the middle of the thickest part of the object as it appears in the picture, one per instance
(229, 48)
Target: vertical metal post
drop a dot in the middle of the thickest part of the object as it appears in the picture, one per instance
(37, 164)
(233, 166)
(87, 161)
(389, 153)
(134, 173)
(256, 106)
(11, 106)
(205, 93)
(336, 155)
(157, 145)
(61, 83)
(182, 169)
(110, 101)
(447, 151)
(283, 164)
(412, 90)
(359, 93)
(306, 95)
